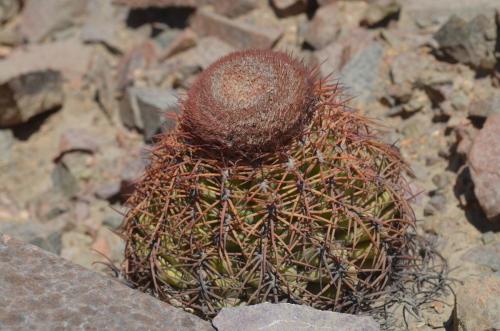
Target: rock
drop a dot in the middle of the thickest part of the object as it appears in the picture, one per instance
(427, 13)
(104, 81)
(477, 304)
(76, 248)
(471, 43)
(361, 73)
(131, 173)
(6, 142)
(335, 56)
(108, 191)
(103, 24)
(379, 12)
(9, 9)
(40, 20)
(28, 95)
(285, 8)
(47, 236)
(64, 181)
(231, 8)
(175, 43)
(69, 57)
(41, 291)
(486, 255)
(77, 139)
(162, 3)
(149, 109)
(285, 317)
(238, 34)
(135, 63)
(109, 244)
(331, 21)
(485, 102)
(484, 164)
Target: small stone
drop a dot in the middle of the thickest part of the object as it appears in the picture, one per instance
(485, 102)
(47, 236)
(441, 180)
(238, 34)
(64, 181)
(471, 43)
(104, 81)
(41, 19)
(108, 191)
(437, 204)
(288, 317)
(231, 8)
(477, 304)
(285, 8)
(162, 3)
(380, 11)
(109, 244)
(484, 164)
(148, 109)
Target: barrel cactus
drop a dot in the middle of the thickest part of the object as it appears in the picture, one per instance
(270, 189)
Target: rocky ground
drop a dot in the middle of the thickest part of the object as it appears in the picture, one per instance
(85, 85)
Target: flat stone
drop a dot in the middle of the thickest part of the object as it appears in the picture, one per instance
(471, 43)
(41, 291)
(477, 304)
(238, 34)
(77, 139)
(288, 317)
(40, 19)
(148, 109)
(231, 8)
(485, 101)
(484, 164)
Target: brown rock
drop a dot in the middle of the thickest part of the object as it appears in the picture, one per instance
(183, 41)
(285, 8)
(238, 34)
(134, 63)
(484, 163)
(77, 140)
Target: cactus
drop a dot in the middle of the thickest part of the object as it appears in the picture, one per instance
(270, 189)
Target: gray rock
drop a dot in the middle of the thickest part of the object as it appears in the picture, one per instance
(485, 102)
(147, 109)
(484, 163)
(487, 255)
(360, 74)
(6, 142)
(284, 317)
(478, 304)
(28, 95)
(77, 139)
(471, 43)
(44, 292)
(9, 9)
(425, 13)
(47, 236)
(41, 19)
(231, 8)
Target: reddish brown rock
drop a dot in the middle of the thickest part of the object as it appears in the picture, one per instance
(484, 163)
(238, 34)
